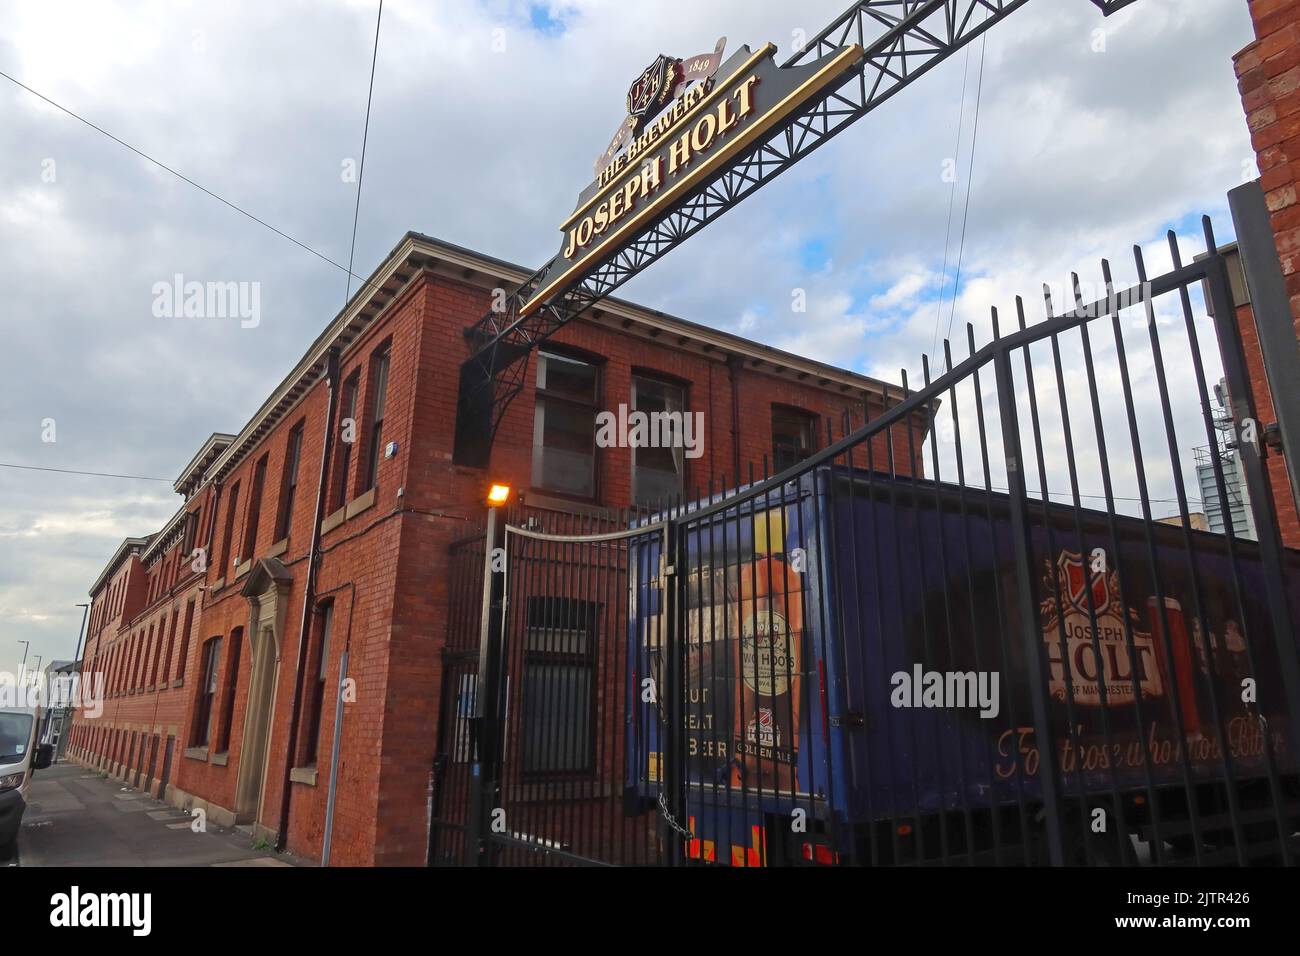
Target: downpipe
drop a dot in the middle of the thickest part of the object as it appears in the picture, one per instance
(313, 564)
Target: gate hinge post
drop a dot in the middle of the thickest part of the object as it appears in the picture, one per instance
(486, 770)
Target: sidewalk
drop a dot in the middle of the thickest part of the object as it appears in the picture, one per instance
(76, 817)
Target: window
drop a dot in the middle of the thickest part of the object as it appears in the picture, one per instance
(564, 426)
(205, 521)
(463, 748)
(207, 691)
(231, 504)
(316, 691)
(232, 685)
(146, 655)
(158, 656)
(794, 436)
(289, 482)
(137, 659)
(15, 733)
(659, 472)
(254, 510)
(171, 649)
(191, 528)
(558, 682)
(185, 641)
(347, 409)
(378, 397)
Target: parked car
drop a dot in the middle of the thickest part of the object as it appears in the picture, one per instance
(20, 757)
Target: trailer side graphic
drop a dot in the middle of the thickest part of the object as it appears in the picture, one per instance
(799, 642)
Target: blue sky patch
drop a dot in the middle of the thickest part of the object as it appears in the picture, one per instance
(544, 21)
(815, 253)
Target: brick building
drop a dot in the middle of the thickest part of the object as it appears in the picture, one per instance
(197, 627)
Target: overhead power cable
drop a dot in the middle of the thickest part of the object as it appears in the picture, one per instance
(952, 196)
(73, 471)
(365, 136)
(181, 176)
(970, 174)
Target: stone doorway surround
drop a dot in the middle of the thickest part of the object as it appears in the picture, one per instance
(267, 589)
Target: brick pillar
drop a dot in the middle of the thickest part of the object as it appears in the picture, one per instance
(1268, 77)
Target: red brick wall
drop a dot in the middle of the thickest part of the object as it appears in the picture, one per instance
(1268, 76)
(385, 568)
(446, 500)
(128, 652)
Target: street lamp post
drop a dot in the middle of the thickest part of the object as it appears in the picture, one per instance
(23, 669)
(81, 633)
(76, 670)
(81, 636)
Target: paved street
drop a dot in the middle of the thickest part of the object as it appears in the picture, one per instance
(78, 818)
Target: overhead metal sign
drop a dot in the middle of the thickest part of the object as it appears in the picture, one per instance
(686, 120)
(700, 136)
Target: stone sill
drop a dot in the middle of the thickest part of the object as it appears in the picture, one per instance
(243, 569)
(221, 759)
(333, 521)
(279, 548)
(360, 504)
(304, 775)
(348, 511)
(218, 584)
(197, 753)
(534, 499)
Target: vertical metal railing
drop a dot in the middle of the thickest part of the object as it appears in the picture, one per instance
(961, 632)
(449, 802)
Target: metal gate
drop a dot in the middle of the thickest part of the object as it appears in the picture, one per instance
(452, 766)
(560, 716)
(1013, 659)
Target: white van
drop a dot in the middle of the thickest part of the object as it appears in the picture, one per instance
(20, 757)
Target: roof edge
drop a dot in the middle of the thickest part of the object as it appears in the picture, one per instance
(116, 559)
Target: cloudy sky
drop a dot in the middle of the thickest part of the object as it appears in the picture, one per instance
(486, 117)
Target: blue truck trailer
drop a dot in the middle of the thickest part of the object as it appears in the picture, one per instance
(856, 687)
